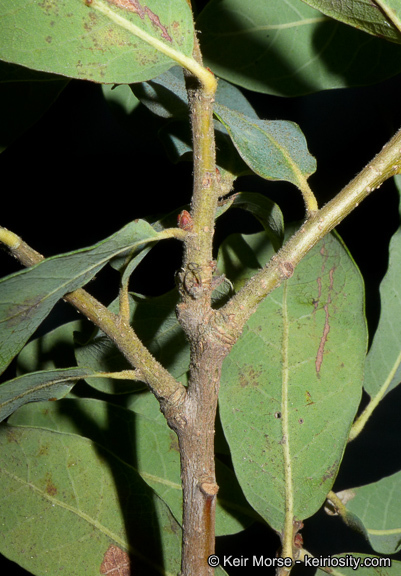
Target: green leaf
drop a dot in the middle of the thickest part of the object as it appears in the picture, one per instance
(231, 97)
(120, 97)
(290, 49)
(101, 352)
(292, 383)
(27, 297)
(166, 96)
(50, 351)
(122, 103)
(383, 362)
(264, 209)
(381, 18)
(232, 511)
(152, 442)
(49, 385)
(69, 500)
(156, 324)
(275, 150)
(375, 510)
(98, 40)
(344, 565)
(177, 140)
(19, 86)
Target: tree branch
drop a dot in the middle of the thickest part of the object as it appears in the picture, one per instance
(196, 435)
(233, 316)
(167, 390)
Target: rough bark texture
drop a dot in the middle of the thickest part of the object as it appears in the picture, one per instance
(197, 412)
(196, 440)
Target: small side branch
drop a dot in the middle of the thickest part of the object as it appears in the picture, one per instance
(281, 267)
(167, 390)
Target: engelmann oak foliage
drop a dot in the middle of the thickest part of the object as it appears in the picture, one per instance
(108, 460)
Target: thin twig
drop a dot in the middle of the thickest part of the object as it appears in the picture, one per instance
(167, 390)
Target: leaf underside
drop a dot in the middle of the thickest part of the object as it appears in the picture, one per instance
(292, 384)
(72, 502)
(27, 297)
(149, 446)
(275, 150)
(383, 363)
(380, 18)
(73, 39)
(375, 510)
(290, 49)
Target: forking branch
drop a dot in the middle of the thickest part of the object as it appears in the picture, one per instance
(386, 164)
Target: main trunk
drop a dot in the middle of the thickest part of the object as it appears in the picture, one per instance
(196, 440)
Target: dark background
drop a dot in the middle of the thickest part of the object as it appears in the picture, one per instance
(79, 175)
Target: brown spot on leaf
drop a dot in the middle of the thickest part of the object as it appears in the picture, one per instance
(48, 6)
(174, 527)
(249, 376)
(50, 487)
(43, 450)
(131, 5)
(20, 311)
(308, 398)
(326, 329)
(13, 436)
(330, 472)
(116, 562)
(174, 447)
(156, 22)
(136, 7)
